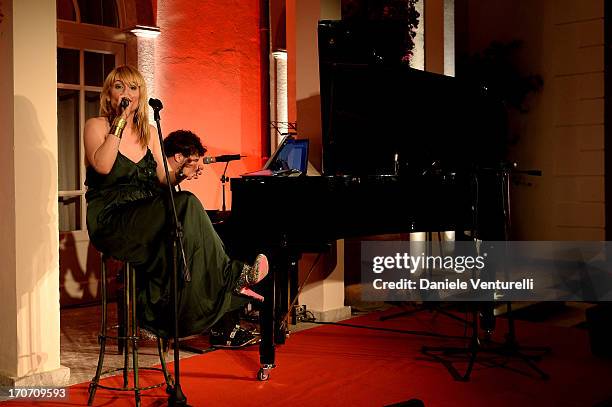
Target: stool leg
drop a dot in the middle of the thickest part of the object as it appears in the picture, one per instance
(126, 321)
(162, 359)
(134, 333)
(101, 337)
(121, 322)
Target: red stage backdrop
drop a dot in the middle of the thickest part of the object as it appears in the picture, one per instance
(207, 75)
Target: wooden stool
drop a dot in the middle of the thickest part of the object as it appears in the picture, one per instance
(128, 335)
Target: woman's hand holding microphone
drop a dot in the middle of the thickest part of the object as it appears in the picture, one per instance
(121, 120)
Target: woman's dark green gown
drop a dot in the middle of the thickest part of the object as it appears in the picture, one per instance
(127, 218)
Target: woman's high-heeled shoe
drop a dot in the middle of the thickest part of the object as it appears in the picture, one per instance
(252, 275)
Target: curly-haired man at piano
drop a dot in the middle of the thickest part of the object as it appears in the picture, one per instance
(184, 150)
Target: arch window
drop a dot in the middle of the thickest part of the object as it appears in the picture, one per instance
(90, 45)
(96, 12)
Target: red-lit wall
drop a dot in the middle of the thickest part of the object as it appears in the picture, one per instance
(207, 70)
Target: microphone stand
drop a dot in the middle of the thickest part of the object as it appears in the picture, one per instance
(224, 180)
(177, 397)
(510, 348)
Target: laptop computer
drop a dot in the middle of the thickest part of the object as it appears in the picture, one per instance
(289, 159)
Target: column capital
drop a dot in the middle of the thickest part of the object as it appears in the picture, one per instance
(144, 31)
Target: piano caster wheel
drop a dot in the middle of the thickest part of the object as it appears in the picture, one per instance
(263, 374)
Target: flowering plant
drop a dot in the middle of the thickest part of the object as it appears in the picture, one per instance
(403, 10)
(397, 10)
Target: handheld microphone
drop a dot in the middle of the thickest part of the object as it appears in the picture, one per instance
(125, 102)
(221, 158)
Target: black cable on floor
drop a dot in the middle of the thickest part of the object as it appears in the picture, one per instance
(407, 332)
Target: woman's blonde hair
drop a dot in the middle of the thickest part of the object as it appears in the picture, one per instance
(129, 76)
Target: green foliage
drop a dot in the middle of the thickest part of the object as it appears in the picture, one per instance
(496, 69)
(397, 10)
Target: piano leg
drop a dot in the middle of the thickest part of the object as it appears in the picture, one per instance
(266, 324)
(293, 290)
(281, 299)
(273, 313)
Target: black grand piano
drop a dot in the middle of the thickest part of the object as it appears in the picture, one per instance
(401, 153)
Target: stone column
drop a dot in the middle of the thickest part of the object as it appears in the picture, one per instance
(29, 255)
(278, 92)
(141, 54)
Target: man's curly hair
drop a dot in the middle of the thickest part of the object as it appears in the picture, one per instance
(184, 142)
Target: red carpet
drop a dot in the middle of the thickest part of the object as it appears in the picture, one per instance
(332, 366)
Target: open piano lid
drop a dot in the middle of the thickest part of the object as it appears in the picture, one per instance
(373, 107)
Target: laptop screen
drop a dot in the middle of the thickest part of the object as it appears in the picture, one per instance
(292, 154)
(290, 158)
